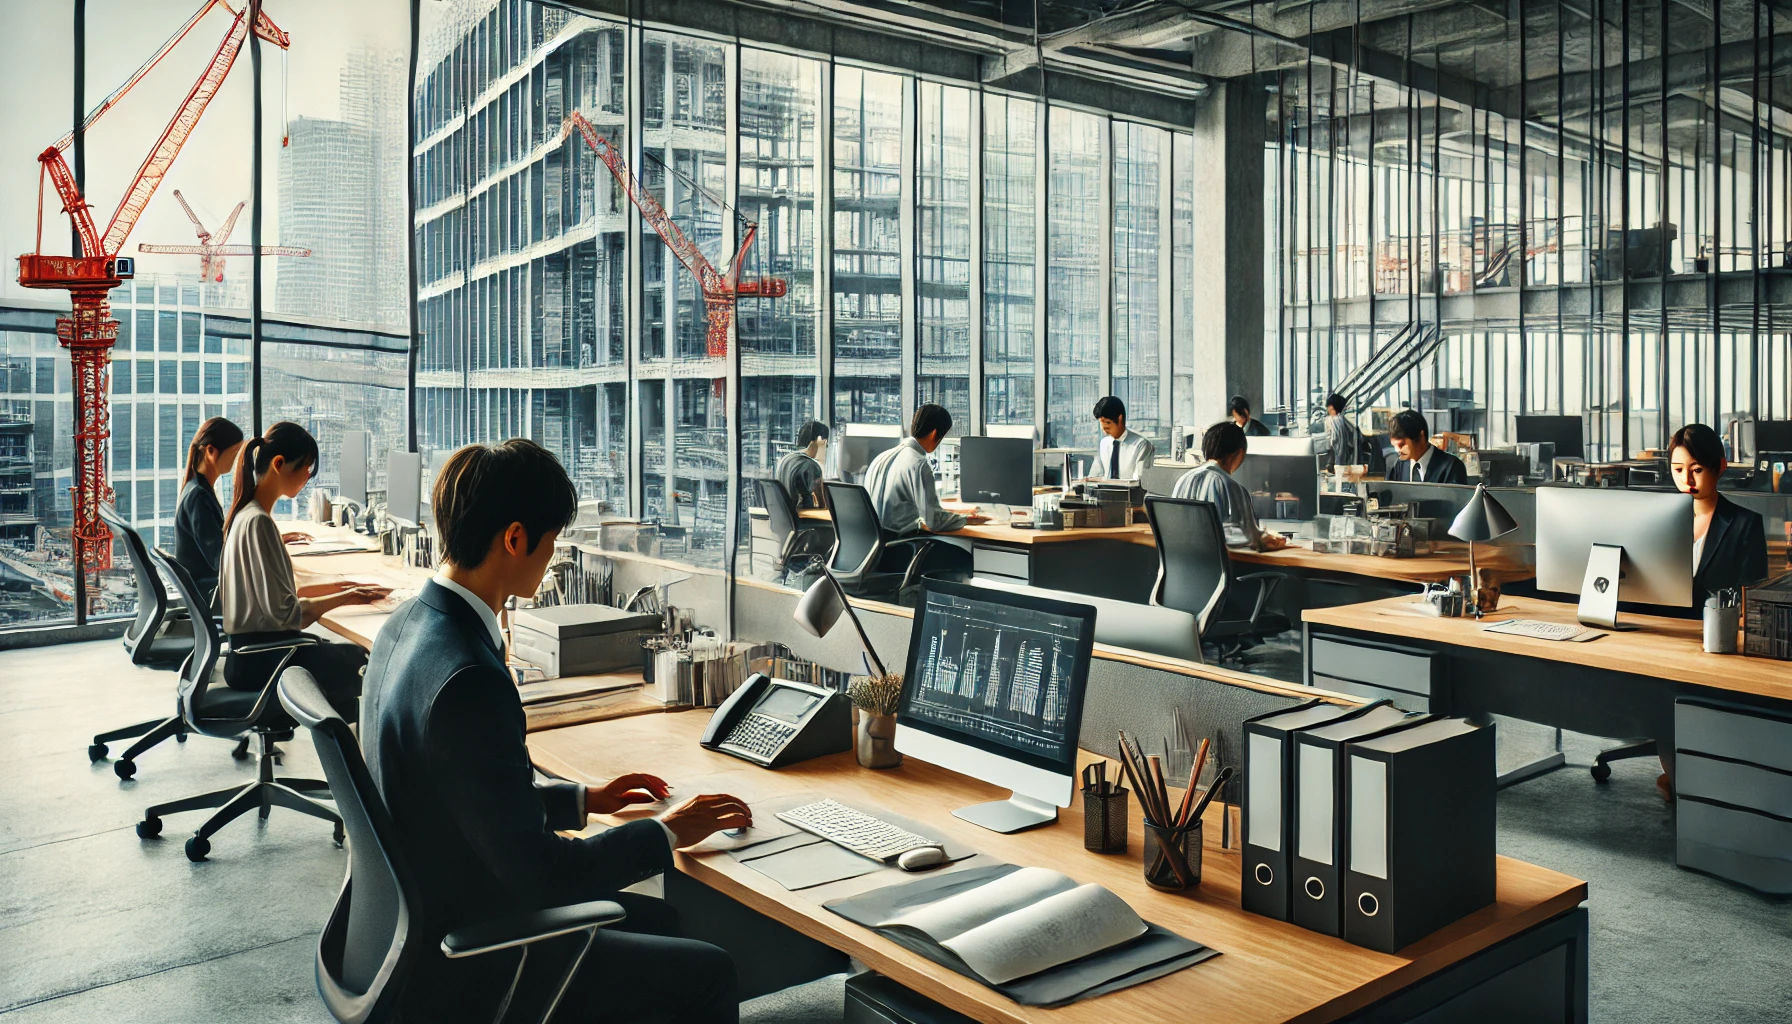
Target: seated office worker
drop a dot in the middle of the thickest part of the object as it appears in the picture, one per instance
(800, 470)
(1344, 439)
(443, 732)
(260, 598)
(1729, 546)
(1223, 446)
(1122, 453)
(900, 480)
(1240, 411)
(199, 519)
(1421, 462)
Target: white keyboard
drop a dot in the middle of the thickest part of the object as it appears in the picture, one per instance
(1535, 629)
(855, 830)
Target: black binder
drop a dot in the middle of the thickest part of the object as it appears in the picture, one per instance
(1420, 834)
(1319, 809)
(1268, 769)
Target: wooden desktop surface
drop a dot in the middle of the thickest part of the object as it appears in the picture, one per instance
(1662, 648)
(1269, 970)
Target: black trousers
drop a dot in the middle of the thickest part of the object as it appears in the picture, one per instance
(336, 667)
(644, 970)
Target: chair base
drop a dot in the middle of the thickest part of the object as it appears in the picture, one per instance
(149, 734)
(263, 795)
(1602, 765)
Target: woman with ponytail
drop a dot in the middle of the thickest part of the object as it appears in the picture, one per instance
(261, 600)
(199, 521)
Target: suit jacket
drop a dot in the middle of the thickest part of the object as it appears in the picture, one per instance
(1444, 469)
(1735, 552)
(443, 732)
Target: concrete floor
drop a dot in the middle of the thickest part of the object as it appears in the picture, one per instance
(97, 925)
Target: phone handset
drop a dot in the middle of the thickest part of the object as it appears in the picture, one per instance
(733, 709)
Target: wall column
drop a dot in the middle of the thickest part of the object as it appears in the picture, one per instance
(1229, 262)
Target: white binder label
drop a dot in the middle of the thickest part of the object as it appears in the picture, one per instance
(1314, 833)
(1369, 817)
(1263, 788)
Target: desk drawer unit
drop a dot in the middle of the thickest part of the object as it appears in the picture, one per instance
(1403, 675)
(1002, 563)
(1733, 774)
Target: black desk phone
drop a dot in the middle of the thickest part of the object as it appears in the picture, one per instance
(775, 722)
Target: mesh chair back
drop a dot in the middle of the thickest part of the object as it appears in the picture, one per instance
(780, 514)
(208, 642)
(152, 596)
(1193, 568)
(858, 536)
(365, 952)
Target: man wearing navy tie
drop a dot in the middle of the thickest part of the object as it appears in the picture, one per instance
(1122, 452)
(1421, 462)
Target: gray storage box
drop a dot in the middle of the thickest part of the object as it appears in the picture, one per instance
(580, 639)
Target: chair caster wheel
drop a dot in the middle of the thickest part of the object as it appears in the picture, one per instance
(149, 828)
(337, 834)
(1601, 772)
(124, 769)
(197, 848)
(96, 752)
(241, 750)
(180, 737)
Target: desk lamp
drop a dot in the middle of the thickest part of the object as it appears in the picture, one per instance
(820, 608)
(1482, 519)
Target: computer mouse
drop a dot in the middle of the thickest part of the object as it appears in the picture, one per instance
(734, 833)
(921, 858)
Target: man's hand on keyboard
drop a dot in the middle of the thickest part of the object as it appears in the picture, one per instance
(619, 792)
(702, 816)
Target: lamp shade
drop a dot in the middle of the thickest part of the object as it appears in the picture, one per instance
(1483, 518)
(820, 607)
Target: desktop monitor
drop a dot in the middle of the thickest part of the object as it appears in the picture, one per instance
(1773, 436)
(352, 466)
(1282, 474)
(858, 450)
(998, 470)
(404, 487)
(1562, 431)
(1596, 541)
(995, 691)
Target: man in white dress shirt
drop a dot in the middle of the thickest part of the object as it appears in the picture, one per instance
(900, 480)
(1123, 453)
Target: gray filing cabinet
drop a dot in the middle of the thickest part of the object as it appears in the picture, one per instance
(1733, 780)
(1371, 670)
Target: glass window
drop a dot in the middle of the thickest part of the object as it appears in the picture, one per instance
(121, 439)
(121, 377)
(189, 377)
(684, 150)
(1074, 265)
(867, 242)
(146, 376)
(1010, 249)
(1138, 237)
(168, 448)
(189, 330)
(146, 439)
(167, 333)
(170, 375)
(943, 251)
(214, 378)
(1182, 278)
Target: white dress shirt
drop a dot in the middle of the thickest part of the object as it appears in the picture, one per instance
(1421, 472)
(1231, 501)
(900, 482)
(490, 618)
(1136, 454)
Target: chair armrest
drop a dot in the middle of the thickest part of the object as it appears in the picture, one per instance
(275, 645)
(1267, 583)
(534, 926)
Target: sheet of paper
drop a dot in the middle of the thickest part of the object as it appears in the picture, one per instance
(967, 910)
(815, 864)
(1056, 930)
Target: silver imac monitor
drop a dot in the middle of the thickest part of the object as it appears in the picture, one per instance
(404, 487)
(1607, 544)
(995, 691)
(352, 466)
(860, 443)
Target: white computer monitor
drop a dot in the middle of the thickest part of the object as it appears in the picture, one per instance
(1598, 541)
(404, 487)
(351, 466)
(1026, 430)
(994, 690)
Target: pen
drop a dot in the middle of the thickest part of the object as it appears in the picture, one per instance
(1219, 783)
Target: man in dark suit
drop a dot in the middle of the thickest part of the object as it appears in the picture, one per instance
(1240, 411)
(443, 732)
(1421, 461)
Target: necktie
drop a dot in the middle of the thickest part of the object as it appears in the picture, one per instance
(1114, 458)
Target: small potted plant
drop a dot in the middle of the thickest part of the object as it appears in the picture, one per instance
(876, 699)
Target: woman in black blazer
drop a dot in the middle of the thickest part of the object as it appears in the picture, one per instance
(1729, 541)
(199, 521)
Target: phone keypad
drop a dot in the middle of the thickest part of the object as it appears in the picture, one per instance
(760, 735)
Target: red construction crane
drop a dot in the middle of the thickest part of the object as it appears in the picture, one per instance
(211, 254)
(89, 332)
(719, 289)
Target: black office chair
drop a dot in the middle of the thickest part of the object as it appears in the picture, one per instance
(798, 538)
(366, 952)
(860, 546)
(145, 641)
(1195, 575)
(213, 709)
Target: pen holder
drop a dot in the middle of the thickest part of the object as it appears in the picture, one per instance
(1721, 624)
(1172, 857)
(1104, 821)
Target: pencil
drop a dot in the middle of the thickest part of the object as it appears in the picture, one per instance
(1194, 776)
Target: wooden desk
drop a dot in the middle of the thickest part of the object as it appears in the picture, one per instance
(1451, 560)
(1269, 970)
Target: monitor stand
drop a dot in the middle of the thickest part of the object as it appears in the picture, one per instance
(1011, 815)
(1000, 515)
(1599, 589)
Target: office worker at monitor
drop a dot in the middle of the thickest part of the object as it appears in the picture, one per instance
(261, 600)
(199, 519)
(443, 731)
(1344, 439)
(1729, 547)
(1122, 452)
(1420, 461)
(1223, 446)
(1240, 411)
(800, 470)
(900, 480)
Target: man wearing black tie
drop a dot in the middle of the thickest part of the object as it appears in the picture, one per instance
(1421, 462)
